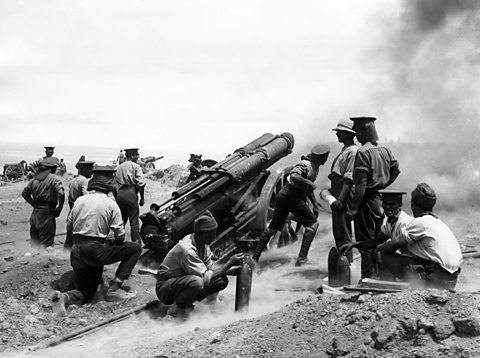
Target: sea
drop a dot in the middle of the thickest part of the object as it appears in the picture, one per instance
(11, 152)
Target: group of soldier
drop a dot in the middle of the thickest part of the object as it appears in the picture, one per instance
(392, 244)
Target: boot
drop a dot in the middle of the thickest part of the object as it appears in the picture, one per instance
(115, 293)
(308, 236)
(259, 246)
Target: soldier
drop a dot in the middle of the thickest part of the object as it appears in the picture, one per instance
(188, 274)
(395, 220)
(36, 164)
(120, 157)
(129, 181)
(91, 219)
(375, 168)
(77, 188)
(341, 187)
(292, 198)
(434, 255)
(46, 194)
(62, 168)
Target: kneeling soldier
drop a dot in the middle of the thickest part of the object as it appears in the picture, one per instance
(92, 217)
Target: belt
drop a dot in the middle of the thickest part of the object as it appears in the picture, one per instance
(124, 187)
(78, 239)
(162, 277)
(45, 204)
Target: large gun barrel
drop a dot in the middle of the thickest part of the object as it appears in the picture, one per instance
(228, 189)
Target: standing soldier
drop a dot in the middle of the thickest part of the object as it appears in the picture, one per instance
(129, 181)
(341, 187)
(91, 219)
(46, 194)
(375, 169)
(77, 188)
(292, 198)
(36, 164)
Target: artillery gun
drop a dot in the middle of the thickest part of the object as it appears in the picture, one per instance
(148, 163)
(240, 191)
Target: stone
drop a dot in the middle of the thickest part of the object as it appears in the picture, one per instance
(443, 328)
(469, 326)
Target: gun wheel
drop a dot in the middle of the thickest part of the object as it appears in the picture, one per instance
(266, 205)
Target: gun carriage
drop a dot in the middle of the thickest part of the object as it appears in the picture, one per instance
(239, 191)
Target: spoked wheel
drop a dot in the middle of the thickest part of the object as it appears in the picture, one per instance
(150, 166)
(266, 205)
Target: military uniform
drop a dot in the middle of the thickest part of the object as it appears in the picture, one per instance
(46, 194)
(292, 198)
(433, 255)
(341, 172)
(91, 218)
(129, 181)
(380, 168)
(77, 188)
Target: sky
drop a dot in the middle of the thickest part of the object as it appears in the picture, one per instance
(175, 77)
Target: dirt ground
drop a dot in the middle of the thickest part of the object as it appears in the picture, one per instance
(286, 317)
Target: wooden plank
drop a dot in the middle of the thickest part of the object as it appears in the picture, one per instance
(372, 283)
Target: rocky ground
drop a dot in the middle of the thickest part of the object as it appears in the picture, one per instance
(287, 318)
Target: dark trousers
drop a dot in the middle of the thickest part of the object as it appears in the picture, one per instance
(291, 200)
(187, 289)
(42, 227)
(368, 222)
(420, 272)
(342, 229)
(88, 256)
(127, 200)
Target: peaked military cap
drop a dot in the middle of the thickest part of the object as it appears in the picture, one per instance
(131, 151)
(363, 119)
(104, 169)
(391, 193)
(49, 162)
(320, 149)
(49, 148)
(85, 163)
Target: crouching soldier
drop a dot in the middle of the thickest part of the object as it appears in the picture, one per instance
(434, 255)
(188, 273)
(92, 217)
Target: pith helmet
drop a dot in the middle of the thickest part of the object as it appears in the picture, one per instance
(345, 125)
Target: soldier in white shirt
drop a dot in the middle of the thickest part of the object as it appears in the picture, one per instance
(433, 254)
(395, 220)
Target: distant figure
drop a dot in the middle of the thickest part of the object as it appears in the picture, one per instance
(121, 157)
(36, 164)
(62, 168)
(195, 167)
(91, 219)
(77, 188)
(129, 181)
(46, 195)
